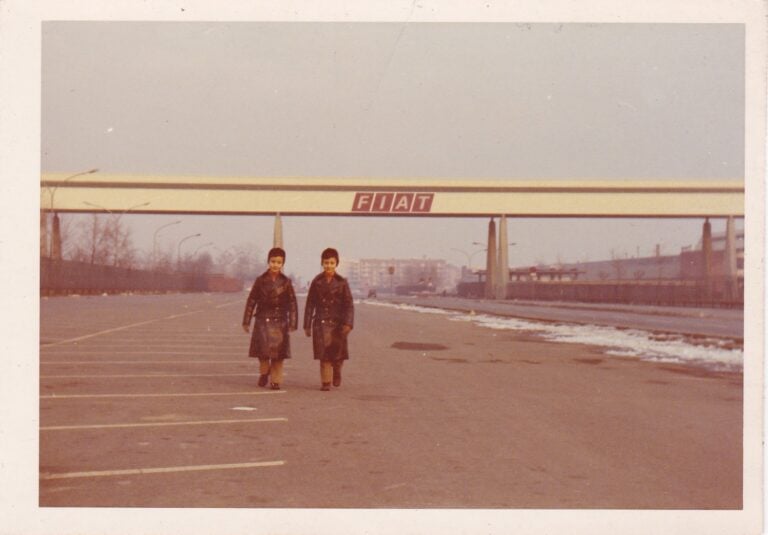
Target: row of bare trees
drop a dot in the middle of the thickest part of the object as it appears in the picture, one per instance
(99, 240)
(106, 240)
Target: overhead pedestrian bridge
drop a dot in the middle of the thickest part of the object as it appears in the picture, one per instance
(65, 192)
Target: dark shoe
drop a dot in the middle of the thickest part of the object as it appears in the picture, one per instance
(326, 387)
(274, 386)
(263, 379)
(336, 377)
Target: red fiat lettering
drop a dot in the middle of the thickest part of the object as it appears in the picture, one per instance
(399, 202)
(423, 202)
(382, 202)
(363, 202)
(403, 202)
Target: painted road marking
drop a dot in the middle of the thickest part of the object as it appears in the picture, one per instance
(170, 469)
(182, 394)
(144, 347)
(148, 354)
(230, 303)
(233, 340)
(66, 362)
(160, 424)
(142, 375)
(164, 332)
(116, 329)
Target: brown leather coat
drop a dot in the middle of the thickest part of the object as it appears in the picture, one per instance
(329, 307)
(276, 313)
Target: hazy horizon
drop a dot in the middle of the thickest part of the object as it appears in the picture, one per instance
(391, 100)
(537, 240)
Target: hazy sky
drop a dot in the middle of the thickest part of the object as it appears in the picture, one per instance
(451, 100)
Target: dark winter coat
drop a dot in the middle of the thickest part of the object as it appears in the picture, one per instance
(276, 313)
(329, 307)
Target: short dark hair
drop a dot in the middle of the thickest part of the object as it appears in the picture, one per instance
(330, 253)
(276, 251)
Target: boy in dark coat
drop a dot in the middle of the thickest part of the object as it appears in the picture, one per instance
(276, 313)
(328, 319)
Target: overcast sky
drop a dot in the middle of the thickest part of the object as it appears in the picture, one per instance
(380, 100)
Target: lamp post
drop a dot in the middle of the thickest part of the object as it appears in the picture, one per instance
(55, 244)
(116, 223)
(154, 241)
(178, 249)
(469, 256)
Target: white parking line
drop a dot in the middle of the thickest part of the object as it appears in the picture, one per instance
(149, 354)
(152, 350)
(99, 333)
(170, 469)
(180, 394)
(79, 362)
(160, 424)
(230, 303)
(144, 347)
(124, 376)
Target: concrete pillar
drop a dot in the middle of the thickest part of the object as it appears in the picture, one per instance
(277, 240)
(730, 268)
(44, 252)
(491, 262)
(56, 238)
(503, 274)
(706, 253)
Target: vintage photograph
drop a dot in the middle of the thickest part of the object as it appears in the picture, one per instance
(489, 267)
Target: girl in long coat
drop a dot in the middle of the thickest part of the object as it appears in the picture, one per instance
(276, 313)
(328, 319)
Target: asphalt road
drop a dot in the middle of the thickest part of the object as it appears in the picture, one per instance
(715, 322)
(150, 401)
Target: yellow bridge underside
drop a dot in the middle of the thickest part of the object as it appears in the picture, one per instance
(334, 196)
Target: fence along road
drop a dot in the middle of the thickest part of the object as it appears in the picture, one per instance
(151, 401)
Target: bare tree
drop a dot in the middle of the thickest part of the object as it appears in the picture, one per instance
(203, 263)
(119, 242)
(247, 262)
(90, 243)
(66, 230)
(164, 260)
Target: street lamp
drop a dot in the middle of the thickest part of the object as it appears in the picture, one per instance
(116, 222)
(154, 241)
(510, 244)
(178, 250)
(468, 255)
(55, 245)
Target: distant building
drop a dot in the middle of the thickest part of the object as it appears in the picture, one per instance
(692, 260)
(387, 274)
(679, 279)
(649, 267)
(688, 265)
